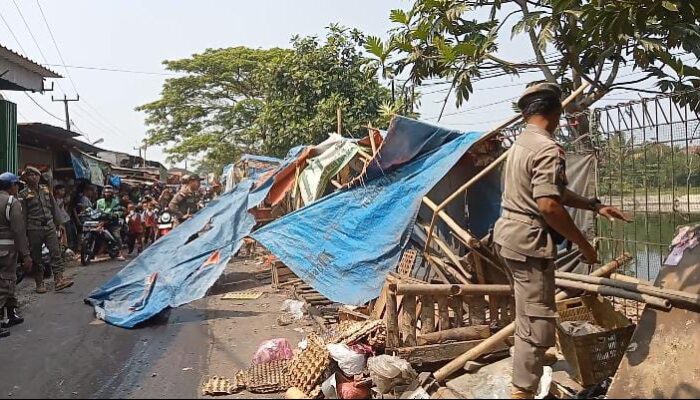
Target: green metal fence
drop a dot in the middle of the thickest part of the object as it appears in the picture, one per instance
(9, 155)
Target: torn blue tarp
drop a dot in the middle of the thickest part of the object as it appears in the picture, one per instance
(406, 140)
(181, 266)
(345, 244)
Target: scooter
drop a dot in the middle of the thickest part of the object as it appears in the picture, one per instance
(96, 234)
(166, 223)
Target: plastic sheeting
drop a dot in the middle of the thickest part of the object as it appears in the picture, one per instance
(345, 244)
(320, 169)
(181, 266)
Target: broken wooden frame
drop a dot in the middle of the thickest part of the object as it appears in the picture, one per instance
(438, 315)
(468, 239)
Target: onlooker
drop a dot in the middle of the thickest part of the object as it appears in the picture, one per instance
(165, 198)
(150, 222)
(134, 220)
(65, 226)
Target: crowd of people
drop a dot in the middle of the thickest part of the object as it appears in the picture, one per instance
(39, 216)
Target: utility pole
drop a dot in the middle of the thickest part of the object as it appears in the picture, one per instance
(65, 101)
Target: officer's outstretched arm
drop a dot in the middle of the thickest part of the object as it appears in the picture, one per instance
(575, 200)
(556, 217)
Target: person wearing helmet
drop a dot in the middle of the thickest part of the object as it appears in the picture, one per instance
(13, 242)
(109, 204)
(41, 218)
(186, 201)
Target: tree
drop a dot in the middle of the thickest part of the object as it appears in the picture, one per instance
(265, 101)
(590, 41)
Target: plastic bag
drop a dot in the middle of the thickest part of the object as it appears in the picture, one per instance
(388, 372)
(349, 361)
(273, 350)
(294, 307)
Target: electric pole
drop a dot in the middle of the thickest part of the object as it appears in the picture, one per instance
(65, 101)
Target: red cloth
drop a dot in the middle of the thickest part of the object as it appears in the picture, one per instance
(150, 219)
(135, 223)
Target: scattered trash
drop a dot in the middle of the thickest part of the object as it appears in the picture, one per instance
(217, 386)
(300, 330)
(242, 295)
(350, 362)
(187, 369)
(545, 383)
(294, 307)
(283, 320)
(581, 328)
(273, 350)
(303, 344)
(388, 372)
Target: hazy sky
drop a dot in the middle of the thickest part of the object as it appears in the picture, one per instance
(139, 35)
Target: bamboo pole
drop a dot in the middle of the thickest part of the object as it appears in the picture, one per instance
(491, 166)
(657, 302)
(674, 296)
(456, 334)
(392, 320)
(450, 290)
(625, 278)
(490, 343)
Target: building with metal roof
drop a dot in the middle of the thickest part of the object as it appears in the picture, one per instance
(20, 73)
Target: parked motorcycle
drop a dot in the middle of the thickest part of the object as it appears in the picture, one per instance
(96, 234)
(166, 222)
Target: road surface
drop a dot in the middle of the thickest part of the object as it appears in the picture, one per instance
(62, 351)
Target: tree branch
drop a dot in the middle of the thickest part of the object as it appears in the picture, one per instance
(631, 82)
(549, 76)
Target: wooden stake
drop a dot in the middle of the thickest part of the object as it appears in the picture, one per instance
(427, 314)
(392, 321)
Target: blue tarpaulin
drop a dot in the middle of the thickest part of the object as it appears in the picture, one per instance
(345, 244)
(181, 266)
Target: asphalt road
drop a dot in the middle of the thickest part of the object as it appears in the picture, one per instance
(61, 351)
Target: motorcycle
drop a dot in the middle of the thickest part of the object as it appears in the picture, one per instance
(96, 234)
(166, 222)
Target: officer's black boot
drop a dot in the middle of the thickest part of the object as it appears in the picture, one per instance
(4, 332)
(13, 317)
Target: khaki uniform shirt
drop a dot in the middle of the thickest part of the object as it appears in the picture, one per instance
(536, 167)
(39, 208)
(184, 202)
(12, 230)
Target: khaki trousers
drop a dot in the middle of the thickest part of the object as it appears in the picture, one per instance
(535, 318)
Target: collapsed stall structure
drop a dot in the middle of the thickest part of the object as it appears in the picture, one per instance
(397, 225)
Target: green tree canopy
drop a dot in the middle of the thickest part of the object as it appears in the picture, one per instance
(571, 41)
(265, 101)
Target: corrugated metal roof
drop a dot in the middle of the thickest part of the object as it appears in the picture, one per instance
(26, 63)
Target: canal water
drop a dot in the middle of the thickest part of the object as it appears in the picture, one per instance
(647, 239)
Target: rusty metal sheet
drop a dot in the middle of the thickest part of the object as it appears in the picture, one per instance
(663, 360)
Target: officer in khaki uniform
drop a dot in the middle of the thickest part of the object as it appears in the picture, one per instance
(532, 222)
(186, 201)
(40, 215)
(13, 241)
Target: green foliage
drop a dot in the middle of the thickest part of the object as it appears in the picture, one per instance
(458, 39)
(265, 101)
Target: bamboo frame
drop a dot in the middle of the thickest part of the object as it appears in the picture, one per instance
(439, 211)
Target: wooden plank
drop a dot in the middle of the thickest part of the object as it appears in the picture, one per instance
(444, 313)
(392, 321)
(458, 309)
(408, 325)
(436, 352)
(477, 312)
(427, 315)
(380, 305)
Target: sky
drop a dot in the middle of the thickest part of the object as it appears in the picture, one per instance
(137, 35)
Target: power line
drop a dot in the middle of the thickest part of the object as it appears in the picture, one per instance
(42, 108)
(110, 69)
(13, 34)
(30, 31)
(60, 56)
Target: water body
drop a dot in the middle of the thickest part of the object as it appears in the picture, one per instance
(647, 238)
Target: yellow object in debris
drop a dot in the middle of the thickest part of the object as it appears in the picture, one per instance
(243, 295)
